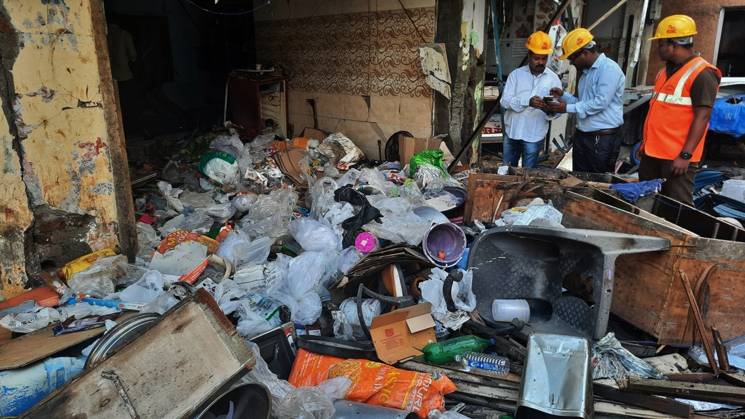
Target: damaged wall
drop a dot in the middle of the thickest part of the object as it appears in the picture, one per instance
(64, 181)
(706, 15)
(357, 59)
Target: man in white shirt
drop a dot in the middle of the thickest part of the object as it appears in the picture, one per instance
(525, 118)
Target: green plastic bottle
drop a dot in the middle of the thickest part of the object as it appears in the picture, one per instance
(444, 352)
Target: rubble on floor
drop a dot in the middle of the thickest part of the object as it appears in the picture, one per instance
(299, 278)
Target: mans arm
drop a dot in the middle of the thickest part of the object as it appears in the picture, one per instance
(608, 83)
(703, 95)
(510, 100)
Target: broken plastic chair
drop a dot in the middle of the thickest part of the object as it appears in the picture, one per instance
(531, 262)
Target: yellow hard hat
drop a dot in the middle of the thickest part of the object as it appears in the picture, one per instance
(675, 26)
(574, 41)
(539, 43)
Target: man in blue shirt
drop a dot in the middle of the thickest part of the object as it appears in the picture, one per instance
(599, 107)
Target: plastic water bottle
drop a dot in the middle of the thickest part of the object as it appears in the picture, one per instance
(444, 352)
(489, 362)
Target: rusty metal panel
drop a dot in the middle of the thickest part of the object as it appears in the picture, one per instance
(166, 373)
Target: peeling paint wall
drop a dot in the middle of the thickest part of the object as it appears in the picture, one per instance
(61, 152)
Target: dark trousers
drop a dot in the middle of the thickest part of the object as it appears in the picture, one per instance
(595, 153)
(679, 188)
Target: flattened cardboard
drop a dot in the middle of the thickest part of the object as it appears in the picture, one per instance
(402, 333)
(408, 146)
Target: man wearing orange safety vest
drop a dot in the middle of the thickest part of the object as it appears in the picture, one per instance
(679, 111)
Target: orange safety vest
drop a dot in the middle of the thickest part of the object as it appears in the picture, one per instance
(671, 112)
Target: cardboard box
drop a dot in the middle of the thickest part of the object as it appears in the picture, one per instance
(408, 146)
(402, 333)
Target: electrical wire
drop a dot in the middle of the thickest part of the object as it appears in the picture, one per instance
(241, 13)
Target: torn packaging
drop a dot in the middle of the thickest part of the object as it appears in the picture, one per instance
(402, 333)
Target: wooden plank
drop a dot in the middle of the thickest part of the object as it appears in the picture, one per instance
(168, 372)
(658, 404)
(702, 329)
(694, 391)
(35, 346)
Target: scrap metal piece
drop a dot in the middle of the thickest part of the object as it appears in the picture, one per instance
(119, 336)
(530, 262)
(113, 377)
(557, 379)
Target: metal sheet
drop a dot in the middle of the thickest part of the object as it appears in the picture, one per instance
(167, 372)
(558, 378)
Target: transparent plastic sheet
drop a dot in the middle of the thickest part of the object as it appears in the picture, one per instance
(246, 160)
(398, 224)
(171, 195)
(196, 200)
(99, 280)
(320, 197)
(348, 258)
(180, 260)
(197, 221)
(410, 191)
(314, 235)
(220, 212)
(314, 402)
(349, 178)
(260, 374)
(270, 214)
(234, 246)
(461, 293)
(337, 214)
(161, 304)
(145, 290)
(147, 240)
(535, 213)
(611, 360)
(377, 180)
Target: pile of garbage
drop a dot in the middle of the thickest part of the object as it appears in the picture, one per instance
(348, 280)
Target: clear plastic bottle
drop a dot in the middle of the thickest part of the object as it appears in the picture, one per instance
(488, 362)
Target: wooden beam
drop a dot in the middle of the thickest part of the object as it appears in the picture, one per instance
(658, 404)
(695, 391)
(702, 330)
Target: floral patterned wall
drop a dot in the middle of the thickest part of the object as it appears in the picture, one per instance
(368, 53)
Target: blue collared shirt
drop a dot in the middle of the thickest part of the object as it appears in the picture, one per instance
(600, 103)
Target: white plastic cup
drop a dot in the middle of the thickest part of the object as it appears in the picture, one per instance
(503, 310)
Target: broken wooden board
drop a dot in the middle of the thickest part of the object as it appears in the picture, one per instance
(658, 404)
(169, 371)
(29, 348)
(694, 391)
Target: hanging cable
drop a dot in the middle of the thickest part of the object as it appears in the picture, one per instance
(241, 13)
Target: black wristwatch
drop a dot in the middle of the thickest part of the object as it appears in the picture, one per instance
(685, 155)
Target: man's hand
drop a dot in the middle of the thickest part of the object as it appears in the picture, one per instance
(557, 92)
(557, 107)
(680, 166)
(538, 103)
(640, 153)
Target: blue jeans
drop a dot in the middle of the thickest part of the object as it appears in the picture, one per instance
(512, 149)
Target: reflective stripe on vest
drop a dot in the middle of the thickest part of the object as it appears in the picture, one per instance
(677, 97)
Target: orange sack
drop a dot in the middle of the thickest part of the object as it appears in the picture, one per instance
(374, 383)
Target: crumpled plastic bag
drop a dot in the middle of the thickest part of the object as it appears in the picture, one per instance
(41, 317)
(270, 215)
(320, 196)
(427, 157)
(313, 235)
(243, 202)
(147, 240)
(230, 144)
(611, 360)
(99, 280)
(145, 290)
(376, 179)
(405, 227)
(461, 292)
(314, 402)
(220, 167)
(220, 212)
(341, 150)
(349, 178)
(180, 260)
(537, 213)
(171, 195)
(298, 289)
(239, 249)
(261, 374)
(346, 321)
(348, 258)
(197, 221)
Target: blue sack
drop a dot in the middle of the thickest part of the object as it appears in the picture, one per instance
(728, 118)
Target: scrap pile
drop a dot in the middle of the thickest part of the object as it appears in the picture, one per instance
(345, 286)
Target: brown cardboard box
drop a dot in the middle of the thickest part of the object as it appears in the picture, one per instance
(402, 333)
(408, 146)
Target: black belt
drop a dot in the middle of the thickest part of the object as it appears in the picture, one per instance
(599, 132)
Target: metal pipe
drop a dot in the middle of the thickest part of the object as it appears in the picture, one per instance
(606, 15)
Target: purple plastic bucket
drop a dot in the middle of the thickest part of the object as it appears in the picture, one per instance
(444, 244)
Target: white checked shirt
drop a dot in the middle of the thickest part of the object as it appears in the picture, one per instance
(523, 122)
